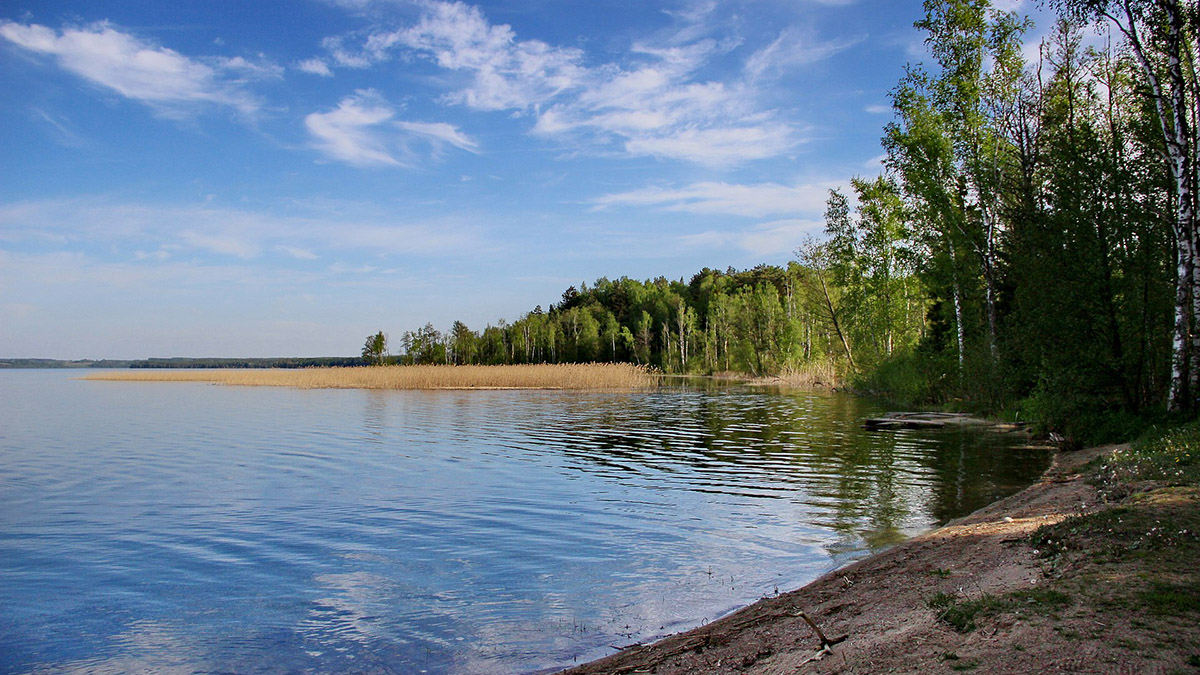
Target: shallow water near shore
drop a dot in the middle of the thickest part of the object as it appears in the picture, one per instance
(196, 528)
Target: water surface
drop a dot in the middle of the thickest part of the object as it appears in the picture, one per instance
(187, 527)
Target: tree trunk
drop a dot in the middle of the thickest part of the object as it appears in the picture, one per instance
(836, 325)
(1173, 122)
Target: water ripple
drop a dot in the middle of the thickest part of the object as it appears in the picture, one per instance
(196, 528)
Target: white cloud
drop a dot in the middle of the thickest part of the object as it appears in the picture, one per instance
(361, 132)
(505, 73)
(223, 243)
(297, 252)
(440, 133)
(347, 58)
(315, 67)
(260, 69)
(654, 110)
(716, 147)
(60, 128)
(794, 48)
(157, 76)
(149, 233)
(653, 105)
(354, 131)
(878, 109)
(771, 238)
(713, 198)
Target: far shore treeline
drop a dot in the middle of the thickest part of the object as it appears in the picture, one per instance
(192, 362)
(1029, 250)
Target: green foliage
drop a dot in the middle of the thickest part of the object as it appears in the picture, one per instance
(1157, 477)
(375, 350)
(1016, 255)
(963, 615)
(760, 321)
(905, 379)
(1030, 204)
(1170, 457)
(1062, 404)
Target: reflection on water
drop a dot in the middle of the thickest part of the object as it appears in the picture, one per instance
(181, 526)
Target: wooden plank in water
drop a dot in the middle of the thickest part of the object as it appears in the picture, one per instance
(901, 423)
(921, 420)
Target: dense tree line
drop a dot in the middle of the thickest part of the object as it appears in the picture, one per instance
(1031, 245)
(764, 320)
(1051, 207)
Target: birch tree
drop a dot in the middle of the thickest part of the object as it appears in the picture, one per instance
(1156, 33)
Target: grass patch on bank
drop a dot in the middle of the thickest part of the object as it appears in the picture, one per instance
(536, 376)
(1171, 599)
(964, 614)
(1137, 556)
(1154, 483)
(1168, 457)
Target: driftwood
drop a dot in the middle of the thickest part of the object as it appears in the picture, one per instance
(728, 630)
(826, 643)
(921, 420)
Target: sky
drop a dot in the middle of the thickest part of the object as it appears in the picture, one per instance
(231, 178)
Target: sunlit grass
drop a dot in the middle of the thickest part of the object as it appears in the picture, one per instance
(540, 376)
(1170, 456)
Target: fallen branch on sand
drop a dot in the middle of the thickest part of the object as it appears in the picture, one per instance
(826, 643)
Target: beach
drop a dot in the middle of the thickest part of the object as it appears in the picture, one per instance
(889, 613)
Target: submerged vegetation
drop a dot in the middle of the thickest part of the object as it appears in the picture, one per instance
(543, 376)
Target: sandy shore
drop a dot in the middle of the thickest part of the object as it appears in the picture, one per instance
(878, 610)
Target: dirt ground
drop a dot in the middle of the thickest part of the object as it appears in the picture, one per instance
(976, 595)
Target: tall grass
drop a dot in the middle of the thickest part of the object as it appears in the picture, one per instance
(542, 376)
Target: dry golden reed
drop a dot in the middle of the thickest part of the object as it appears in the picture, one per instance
(539, 376)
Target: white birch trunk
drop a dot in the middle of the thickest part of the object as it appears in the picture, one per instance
(1174, 126)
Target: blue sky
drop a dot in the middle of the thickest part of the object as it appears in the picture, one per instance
(231, 178)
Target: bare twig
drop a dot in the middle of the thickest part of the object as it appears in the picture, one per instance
(826, 643)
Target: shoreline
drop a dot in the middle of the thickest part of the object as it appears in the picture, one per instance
(877, 610)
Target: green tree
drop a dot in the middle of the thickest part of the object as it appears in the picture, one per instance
(1162, 42)
(375, 351)
(463, 344)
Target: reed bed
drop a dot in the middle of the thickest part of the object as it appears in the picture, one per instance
(540, 376)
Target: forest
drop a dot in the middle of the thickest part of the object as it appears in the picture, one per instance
(1030, 248)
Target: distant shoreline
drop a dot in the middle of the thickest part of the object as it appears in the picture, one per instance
(184, 362)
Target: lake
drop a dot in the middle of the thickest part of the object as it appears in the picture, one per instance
(187, 527)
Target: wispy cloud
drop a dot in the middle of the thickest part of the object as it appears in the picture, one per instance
(771, 238)
(505, 73)
(169, 82)
(440, 134)
(153, 232)
(61, 130)
(793, 48)
(315, 67)
(653, 104)
(718, 146)
(763, 199)
(362, 131)
(354, 131)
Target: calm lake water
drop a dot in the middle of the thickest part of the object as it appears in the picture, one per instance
(184, 527)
